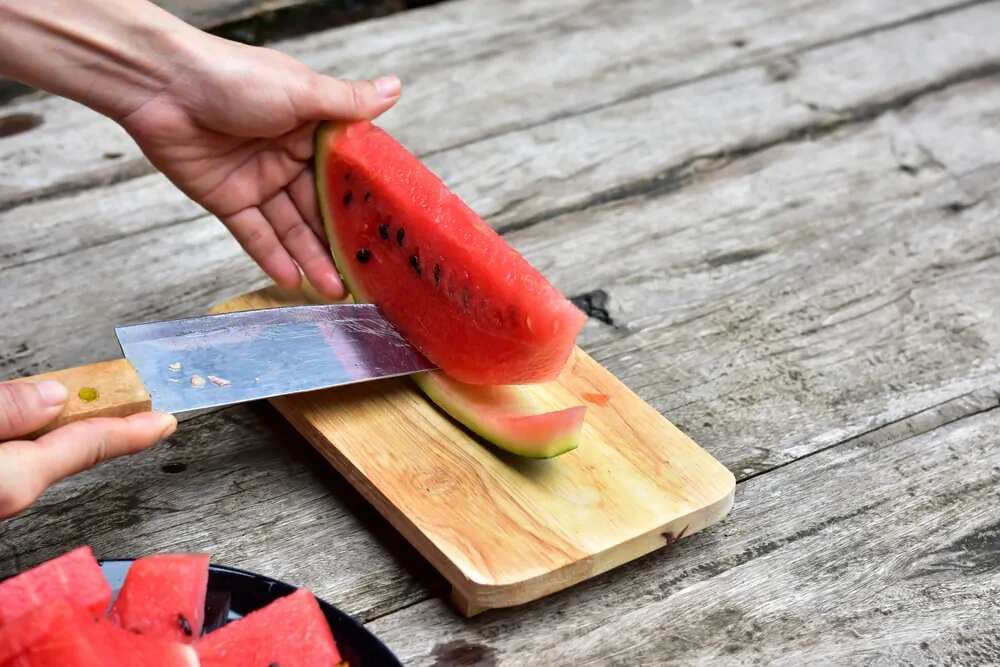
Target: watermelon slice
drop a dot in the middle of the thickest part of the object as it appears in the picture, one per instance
(61, 635)
(452, 285)
(446, 279)
(164, 596)
(131, 650)
(291, 632)
(501, 415)
(74, 576)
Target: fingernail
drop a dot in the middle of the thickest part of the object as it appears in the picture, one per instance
(53, 393)
(388, 86)
(171, 426)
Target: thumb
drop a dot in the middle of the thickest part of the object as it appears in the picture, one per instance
(28, 406)
(338, 99)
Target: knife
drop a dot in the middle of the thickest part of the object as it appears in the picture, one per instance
(203, 362)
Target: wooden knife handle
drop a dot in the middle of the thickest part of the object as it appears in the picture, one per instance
(105, 389)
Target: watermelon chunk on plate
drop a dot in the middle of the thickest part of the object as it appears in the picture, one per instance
(291, 632)
(164, 596)
(61, 635)
(74, 576)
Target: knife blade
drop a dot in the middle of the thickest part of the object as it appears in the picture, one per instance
(215, 360)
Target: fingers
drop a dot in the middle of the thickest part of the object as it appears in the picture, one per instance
(302, 190)
(28, 468)
(27, 406)
(301, 241)
(258, 238)
(337, 99)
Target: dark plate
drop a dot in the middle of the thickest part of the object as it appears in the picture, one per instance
(233, 593)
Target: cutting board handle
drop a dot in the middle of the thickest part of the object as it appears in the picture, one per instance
(104, 389)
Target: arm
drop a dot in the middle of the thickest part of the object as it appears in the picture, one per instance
(110, 55)
(231, 125)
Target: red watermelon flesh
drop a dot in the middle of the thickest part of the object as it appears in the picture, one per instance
(504, 415)
(60, 635)
(34, 625)
(164, 596)
(453, 286)
(290, 632)
(132, 650)
(74, 576)
(73, 641)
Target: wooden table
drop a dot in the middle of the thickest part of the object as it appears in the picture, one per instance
(787, 218)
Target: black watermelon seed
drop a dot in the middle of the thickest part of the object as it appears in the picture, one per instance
(368, 197)
(400, 235)
(348, 197)
(364, 255)
(437, 274)
(274, 664)
(184, 625)
(383, 231)
(415, 263)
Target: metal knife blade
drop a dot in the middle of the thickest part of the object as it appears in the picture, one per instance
(203, 362)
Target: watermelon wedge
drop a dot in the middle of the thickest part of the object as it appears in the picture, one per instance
(61, 635)
(164, 596)
(452, 286)
(446, 279)
(290, 632)
(74, 576)
(503, 416)
(131, 650)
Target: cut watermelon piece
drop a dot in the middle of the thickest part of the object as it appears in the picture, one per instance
(291, 632)
(60, 635)
(57, 635)
(164, 596)
(132, 650)
(33, 625)
(501, 415)
(74, 576)
(453, 286)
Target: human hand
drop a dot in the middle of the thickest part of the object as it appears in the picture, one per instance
(28, 467)
(233, 129)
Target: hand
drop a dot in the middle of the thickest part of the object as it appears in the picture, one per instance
(234, 130)
(28, 467)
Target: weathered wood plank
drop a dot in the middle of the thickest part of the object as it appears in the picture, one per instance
(691, 336)
(800, 296)
(455, 59)
(881, 551)
(824, 229)
(216, 12)
(205, 14)
(645, 144)
(244, 486)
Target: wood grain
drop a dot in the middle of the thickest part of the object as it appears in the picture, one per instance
(114, 390)
(595, 54)
(514, 529)
(881, 550)
(244, 486)
(616, 151)
(797, 319)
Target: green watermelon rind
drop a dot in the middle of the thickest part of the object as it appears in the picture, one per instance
(427, 381)
(433, 389)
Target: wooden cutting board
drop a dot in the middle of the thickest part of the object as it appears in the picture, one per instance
(505, 530)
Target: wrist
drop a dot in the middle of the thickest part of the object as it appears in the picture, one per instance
(110, 55)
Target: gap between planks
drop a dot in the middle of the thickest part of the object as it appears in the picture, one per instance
(54, 190)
